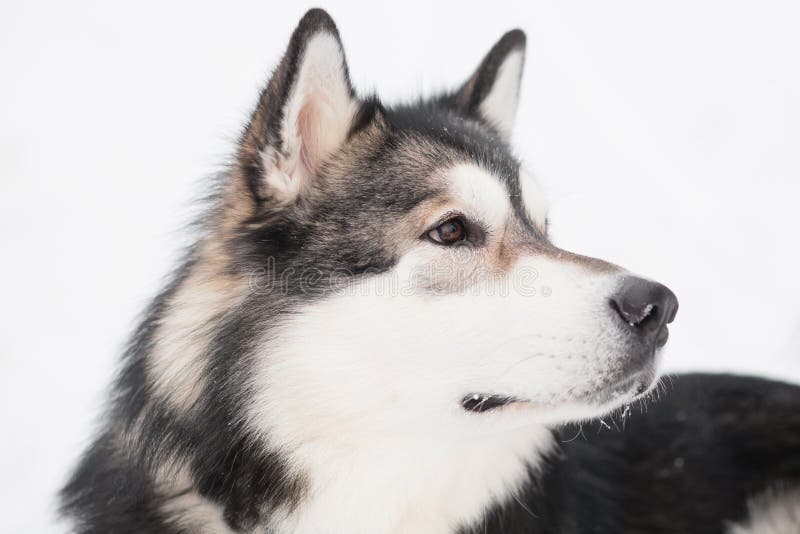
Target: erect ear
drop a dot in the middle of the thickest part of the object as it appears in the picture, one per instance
(492, 92)
(304, 114)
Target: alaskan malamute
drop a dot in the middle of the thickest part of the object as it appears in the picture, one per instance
(373, 334)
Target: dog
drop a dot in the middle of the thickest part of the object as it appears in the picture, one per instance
(374, 334)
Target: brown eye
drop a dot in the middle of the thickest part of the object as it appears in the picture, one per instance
(449, 232)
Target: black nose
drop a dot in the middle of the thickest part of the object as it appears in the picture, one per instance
(646, 307)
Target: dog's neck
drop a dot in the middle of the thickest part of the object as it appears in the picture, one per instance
(407, 485)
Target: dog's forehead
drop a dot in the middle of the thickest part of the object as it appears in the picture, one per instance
(456, 135)
(433, 153)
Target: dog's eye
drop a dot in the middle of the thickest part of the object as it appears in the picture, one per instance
(449, 232)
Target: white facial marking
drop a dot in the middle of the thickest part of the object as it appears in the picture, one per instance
(482, 196)
(534, 199)
(362, 393)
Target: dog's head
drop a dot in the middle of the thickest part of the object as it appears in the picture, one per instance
(399, 269)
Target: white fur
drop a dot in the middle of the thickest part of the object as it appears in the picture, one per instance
(534, 199)
(317, 116)
(775, 512)
(500, 105)
(480, 195)
(361, 392)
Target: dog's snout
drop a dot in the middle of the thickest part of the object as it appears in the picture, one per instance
(647, 307)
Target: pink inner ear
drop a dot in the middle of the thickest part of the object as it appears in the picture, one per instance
(308, 126)
(320, 129)
(319, 112)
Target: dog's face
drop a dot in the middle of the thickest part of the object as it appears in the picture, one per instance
(401, 276)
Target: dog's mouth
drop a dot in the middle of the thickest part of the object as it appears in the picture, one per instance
(484, 402)
(630, 388)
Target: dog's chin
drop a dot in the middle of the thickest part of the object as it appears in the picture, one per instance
(630, 388)
(606, 399)
(635, 382)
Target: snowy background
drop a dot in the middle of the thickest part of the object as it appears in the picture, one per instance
(667, 135)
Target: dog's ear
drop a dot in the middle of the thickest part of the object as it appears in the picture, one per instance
(492, 91)
(303, 115)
